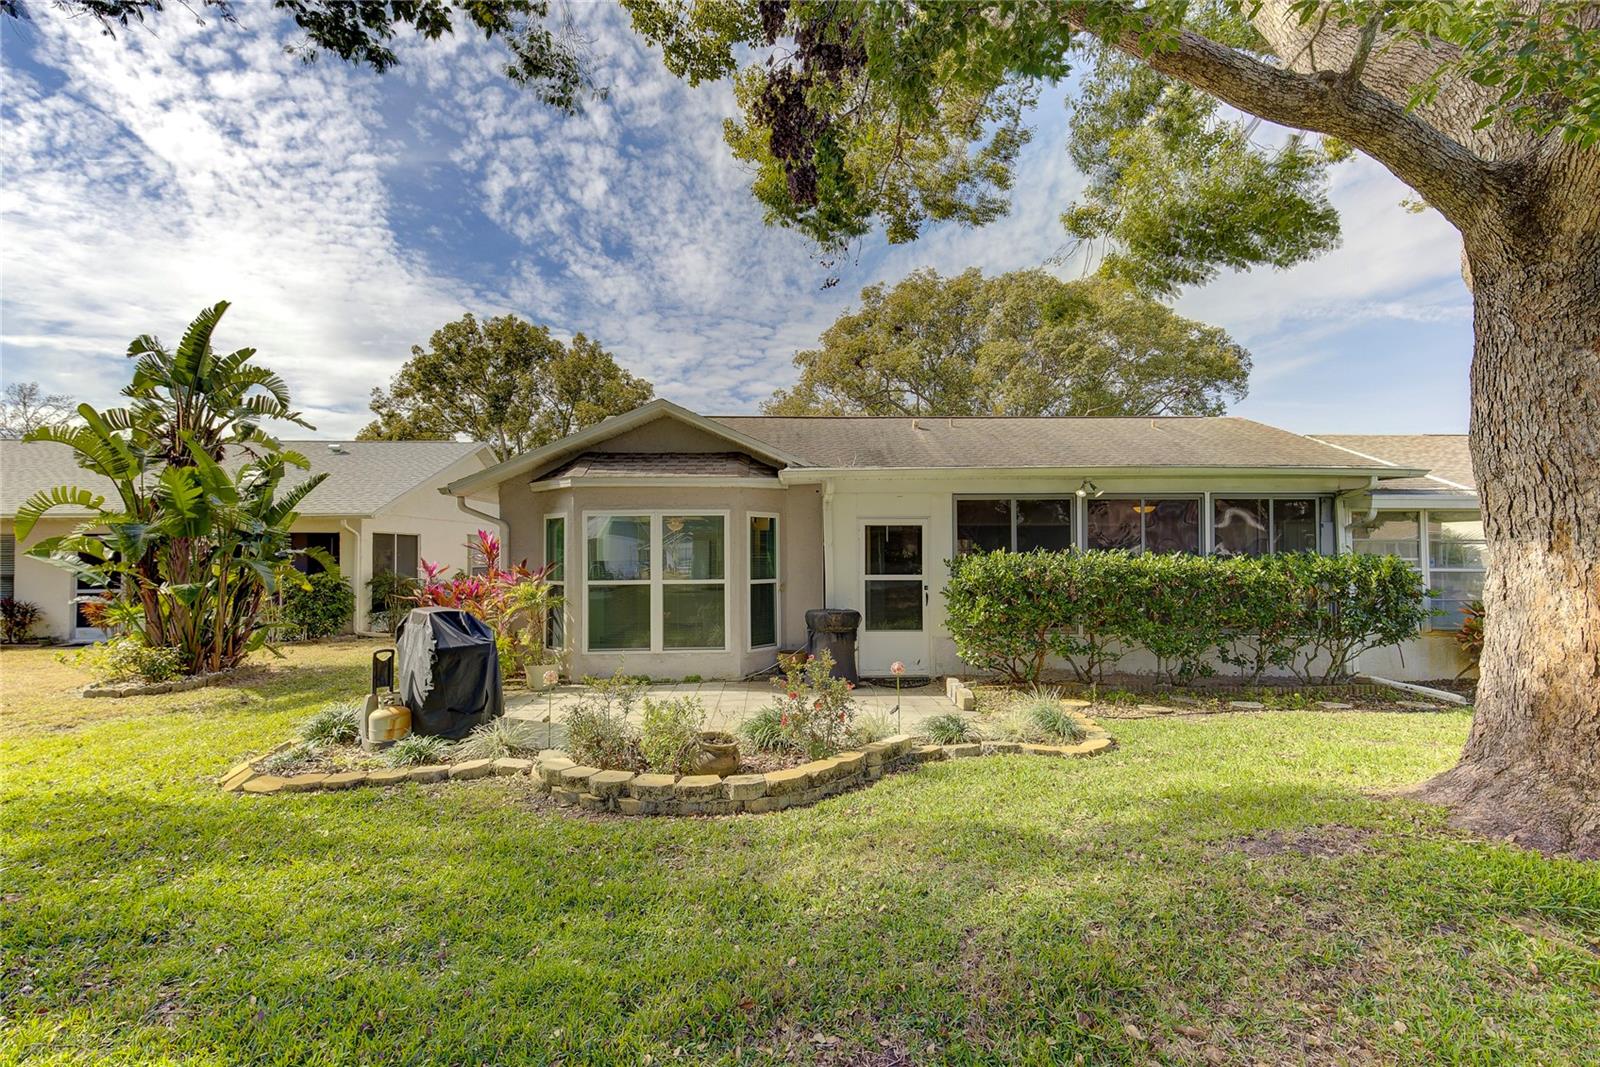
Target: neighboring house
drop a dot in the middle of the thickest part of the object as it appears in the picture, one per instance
(688, 544)
(379, 509)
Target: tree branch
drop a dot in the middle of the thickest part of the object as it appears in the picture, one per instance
(1448, 175)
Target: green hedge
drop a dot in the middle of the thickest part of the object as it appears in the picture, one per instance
(322, 607)
(1009, 612)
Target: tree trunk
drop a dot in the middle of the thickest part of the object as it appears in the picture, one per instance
(1530, 771)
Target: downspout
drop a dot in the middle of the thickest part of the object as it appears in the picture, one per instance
(360, 621)
(827, 542)
(500, 524)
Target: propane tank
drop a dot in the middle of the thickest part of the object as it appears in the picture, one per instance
(383, 724)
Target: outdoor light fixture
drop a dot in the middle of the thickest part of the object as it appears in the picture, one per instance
(1088, 488)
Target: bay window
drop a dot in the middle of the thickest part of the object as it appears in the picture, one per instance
(763, 581)
(655, 581)
(555, 557)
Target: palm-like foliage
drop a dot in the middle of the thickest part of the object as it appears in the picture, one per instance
(199, 547)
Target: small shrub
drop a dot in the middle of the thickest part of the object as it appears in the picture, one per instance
(765, 731)
(598, 731)
(17, 619)
(417, 749)
(499, 738)
(126, 658)
(393, 595)
(1469, 637)
(873, 726)
(335, 724)
(669, 739)
(322, 607)
(950, 728)
(815, 709)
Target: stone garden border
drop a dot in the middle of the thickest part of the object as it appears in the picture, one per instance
(626, 793)
(173, 685)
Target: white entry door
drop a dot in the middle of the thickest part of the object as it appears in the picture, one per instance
(894, 595)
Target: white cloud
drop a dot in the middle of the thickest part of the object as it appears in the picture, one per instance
(349, 215)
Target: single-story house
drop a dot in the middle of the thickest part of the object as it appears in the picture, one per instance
(688, 544)
(379, 509)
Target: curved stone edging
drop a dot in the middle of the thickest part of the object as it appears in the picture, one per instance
(141, 689)
(626, 793)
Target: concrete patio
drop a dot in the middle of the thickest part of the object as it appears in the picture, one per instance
(728, 704)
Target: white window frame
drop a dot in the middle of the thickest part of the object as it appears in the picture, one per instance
(1072, 498)
(1424, 562)
(656, 582)
(775, 581)
(1202, 538)
(561, 585)
(394, 535)
(1325, 518)
(1429, 569)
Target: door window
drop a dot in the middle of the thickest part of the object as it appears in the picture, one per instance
(893, 577)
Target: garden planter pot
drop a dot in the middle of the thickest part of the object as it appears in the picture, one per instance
(719, 753)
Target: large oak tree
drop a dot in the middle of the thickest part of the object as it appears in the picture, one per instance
(1023, 343)
(867, 111)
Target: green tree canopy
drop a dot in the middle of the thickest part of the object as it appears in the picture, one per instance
(1024, 343)
(504, 381)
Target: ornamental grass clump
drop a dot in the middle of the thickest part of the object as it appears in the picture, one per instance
(334, 724)
(950, 729)
(418, 749)
(499, 739)
(669, 738)
(1052, 720)
(870, 727)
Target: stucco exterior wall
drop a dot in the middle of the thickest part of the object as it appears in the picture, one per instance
(800, 566)
(44, 584)
(859, 499)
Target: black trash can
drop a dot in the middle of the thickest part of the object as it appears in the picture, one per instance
(449, 671)
(833, 630)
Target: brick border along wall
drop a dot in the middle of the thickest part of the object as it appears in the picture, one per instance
(626, 793)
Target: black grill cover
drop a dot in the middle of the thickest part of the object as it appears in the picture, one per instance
(449, 671)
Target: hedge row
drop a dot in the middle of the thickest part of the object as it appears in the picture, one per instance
(1009, 612)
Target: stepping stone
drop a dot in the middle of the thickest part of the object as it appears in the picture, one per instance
(1334, 705)
(1246, 705)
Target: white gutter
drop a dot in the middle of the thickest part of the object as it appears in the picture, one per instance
(798, 475)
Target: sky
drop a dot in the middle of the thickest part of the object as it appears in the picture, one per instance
(346, 215)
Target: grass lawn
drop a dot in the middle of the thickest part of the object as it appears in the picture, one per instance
(1227, 889)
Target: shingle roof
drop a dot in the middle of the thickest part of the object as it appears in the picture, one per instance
(1445, 456)
(661, 464)
(900, 442)
(363, 476)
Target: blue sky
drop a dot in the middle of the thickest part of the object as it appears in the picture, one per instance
(348, 215)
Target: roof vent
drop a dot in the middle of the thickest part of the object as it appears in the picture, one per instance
(336, 448)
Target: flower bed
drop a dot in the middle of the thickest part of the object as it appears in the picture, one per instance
(136, 688)
(626, 793)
